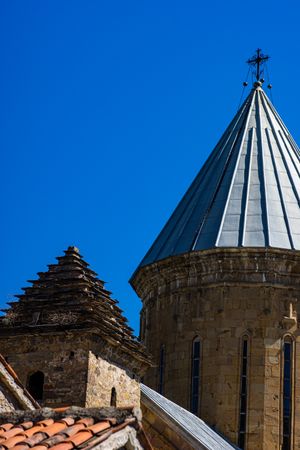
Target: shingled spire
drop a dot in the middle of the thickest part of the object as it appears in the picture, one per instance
(70, 296)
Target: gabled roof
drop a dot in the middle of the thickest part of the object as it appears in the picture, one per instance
(69, 296)
(73, 428)
(191, 428)
(13, 394)
(247, 194)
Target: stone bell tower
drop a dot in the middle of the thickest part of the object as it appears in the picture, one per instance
(69, 342)
(220, 285)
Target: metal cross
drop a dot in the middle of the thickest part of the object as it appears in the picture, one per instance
(257, 60)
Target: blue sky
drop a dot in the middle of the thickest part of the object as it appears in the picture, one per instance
(107, 112)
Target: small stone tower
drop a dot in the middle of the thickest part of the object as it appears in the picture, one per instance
(69, 342)
(221, 285)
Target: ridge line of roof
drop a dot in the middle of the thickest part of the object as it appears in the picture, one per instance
(247, 119)
(163, 403)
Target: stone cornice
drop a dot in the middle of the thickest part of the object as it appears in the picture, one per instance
(260, 266)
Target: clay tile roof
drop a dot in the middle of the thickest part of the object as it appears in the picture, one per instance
(99, 427)
(9, 443)
(46, 422)
(54, 440)
(33, 430)
(87, 421)
(69, 421)
(74, 429)
(68, 429)
(35, 439)
(5, 427)
(64, 446)
(27, 425)
(81, 437)
(40, 447)
(12, 432)
(61, 409)
(56, 427)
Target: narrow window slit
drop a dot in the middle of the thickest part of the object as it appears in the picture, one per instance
(243, 394)
(195, 379)
(161, 370)
(287, 395)
(113, 397)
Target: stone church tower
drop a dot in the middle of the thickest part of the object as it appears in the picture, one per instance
(220, 286)
(69, 342)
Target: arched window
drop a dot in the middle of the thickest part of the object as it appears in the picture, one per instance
(113, 397)
(161, 369)
(35, 385)
(287, 393)
(243, 392)
(195, 378)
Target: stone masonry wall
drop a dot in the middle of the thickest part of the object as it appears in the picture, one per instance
(7, 403)
(63, 359)
(221, 296)
(102, 377)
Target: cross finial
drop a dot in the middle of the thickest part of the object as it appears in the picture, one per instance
(258, 60)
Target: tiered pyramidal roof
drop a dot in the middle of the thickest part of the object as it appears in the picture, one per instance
(247, 194)
(70, 296)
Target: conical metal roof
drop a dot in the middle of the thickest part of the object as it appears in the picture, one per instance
(247, 192)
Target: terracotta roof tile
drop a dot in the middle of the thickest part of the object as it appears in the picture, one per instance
(63, 446)
(70, 431)
(54, 440)
(35, 439)
(87, 421)
(46, 422)
(69, 421)
(55, 428)
(12, 432)
(27, 425)
(6, 427)
(63, 430)
(101, 426)
(21, 446)
(9, 443)
(30, 431)
(97, 440)
(40, 447)
(61, 408)
(81, 437)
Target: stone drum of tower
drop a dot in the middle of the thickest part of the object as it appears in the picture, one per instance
(221, 282)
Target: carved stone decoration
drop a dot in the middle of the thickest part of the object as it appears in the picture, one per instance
(63, 318)
(289, 321)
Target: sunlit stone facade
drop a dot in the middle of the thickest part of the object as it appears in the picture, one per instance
(223, 297)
